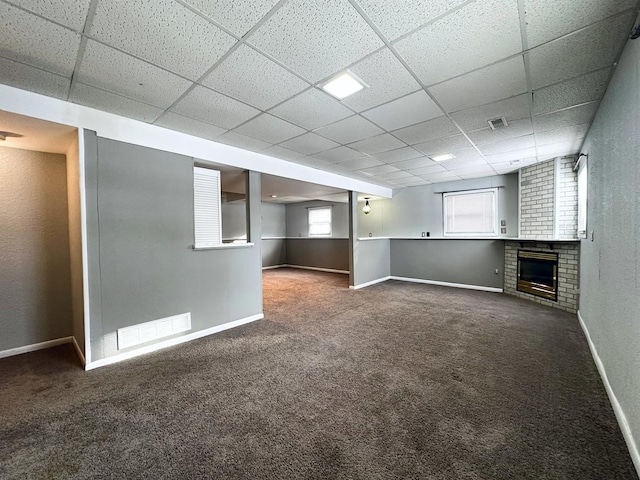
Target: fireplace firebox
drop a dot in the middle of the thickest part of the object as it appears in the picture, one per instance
(538, 274)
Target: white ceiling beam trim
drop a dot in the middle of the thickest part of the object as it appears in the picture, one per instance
(116, 127)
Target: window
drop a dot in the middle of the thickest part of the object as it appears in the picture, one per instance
(319, 221)
(470, 213)
(206, 207)
(582, 197)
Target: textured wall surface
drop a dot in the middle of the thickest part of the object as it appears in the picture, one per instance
(35, 283)
(610, 262)
(536, 200)
(568, 255)
(332, 253)
(75, 242)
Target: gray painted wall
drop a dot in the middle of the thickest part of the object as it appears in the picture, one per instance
(418, 209)
(35, 281)
(274, 252)
(471, 262)
(140, 214)
(234, 220)
(274, 220)
(298, 221)
(75, 242)
(610, 264)
(330, 253)
(372, 260)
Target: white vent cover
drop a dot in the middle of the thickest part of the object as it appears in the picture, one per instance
(154, 330)
(498, 123)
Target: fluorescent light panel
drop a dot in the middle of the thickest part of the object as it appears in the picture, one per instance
(343, 85)
(443, 157)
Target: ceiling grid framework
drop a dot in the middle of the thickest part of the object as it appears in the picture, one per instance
(249, 73)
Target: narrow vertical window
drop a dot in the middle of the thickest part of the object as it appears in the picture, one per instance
(582, 197)
(206, 207)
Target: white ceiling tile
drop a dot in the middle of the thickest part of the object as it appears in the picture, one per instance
(309, 143)
(358, 163)
(380, 169)
(502, 80)
(312, 162)
(311, 109)
(270, 129)
(428, 170)
(463, 158)
(587, 50)
(239, 16)
(282, 153)
(236, 77)
(162, 32)
(236, 139)
(111, 70)
(511, 156)
(474, 169)
(411, 181)
(33, 79)
(350, 130)
(425, 131)
(387, 79)
(558, 149)
(549, 19)
(482, 32)
(411, 109)
(393, 176)
(377, 144)
(414, 163)
(475, 118)
(71, 13)
(213, 107)
(443, 145)
(517, 143)
(398, 17)
(112, 103)
(398, 155)
(586, 88)
(516, 128)
(560, 135)
(179, 123)
(32, 40)
(316, 39)
(441, 177)
(565, 118)
(339, 154)
(504, 167)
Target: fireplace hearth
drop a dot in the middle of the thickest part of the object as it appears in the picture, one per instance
(538, 274)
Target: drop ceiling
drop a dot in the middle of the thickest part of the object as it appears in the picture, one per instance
(248, 73)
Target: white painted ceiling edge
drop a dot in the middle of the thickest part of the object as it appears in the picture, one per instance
(115, 127)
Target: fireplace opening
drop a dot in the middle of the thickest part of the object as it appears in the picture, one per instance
(538, 274)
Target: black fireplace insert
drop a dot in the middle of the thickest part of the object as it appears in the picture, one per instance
(538, 274)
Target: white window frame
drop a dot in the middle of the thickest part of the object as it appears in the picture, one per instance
(327, 207)
(207, 208)
(583, 189)
(446, 195)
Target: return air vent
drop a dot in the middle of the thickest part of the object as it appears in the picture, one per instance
(498, 123)
(154, 330)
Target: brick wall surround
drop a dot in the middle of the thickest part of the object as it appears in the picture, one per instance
(568, 256)
(536, 200)
(567, 198)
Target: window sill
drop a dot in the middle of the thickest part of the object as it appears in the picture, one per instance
(224, 246)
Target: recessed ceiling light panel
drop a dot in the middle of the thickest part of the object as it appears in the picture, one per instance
(343, 85)
(443, 157)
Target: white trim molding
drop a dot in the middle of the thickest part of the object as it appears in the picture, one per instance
(368, 284)
(448, 284)
(35, 347)
(317, 269)
(74, 341)
(617, 408)
(271, 267)
(171, 342)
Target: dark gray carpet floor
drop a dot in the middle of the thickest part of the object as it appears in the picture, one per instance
(396, 380)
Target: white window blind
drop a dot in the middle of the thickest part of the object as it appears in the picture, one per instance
(206, 207)
(320, 221)
(470, 213)
(582, 198)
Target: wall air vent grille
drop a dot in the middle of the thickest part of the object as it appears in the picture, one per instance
(498, 123)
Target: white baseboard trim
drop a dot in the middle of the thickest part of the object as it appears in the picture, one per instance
(447, 284)
(35, 347)
(317, 269)
(171, 342)
(78, 351)
(617, 408)
(271, 267)
(367, 284)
